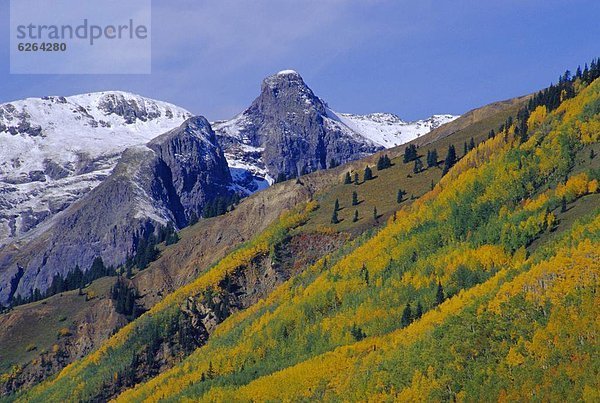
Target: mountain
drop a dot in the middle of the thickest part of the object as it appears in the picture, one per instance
(477, 285)
(55, 149)
(205, 243)
(60, 150)
(166, 181)
(288, 131)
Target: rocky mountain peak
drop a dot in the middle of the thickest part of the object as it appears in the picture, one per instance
(287, 90)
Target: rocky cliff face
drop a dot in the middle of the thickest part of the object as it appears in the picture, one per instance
(289, 130)
(54, 150)
(165, 181)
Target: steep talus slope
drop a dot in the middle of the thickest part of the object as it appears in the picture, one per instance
(472, 228)
(53, 150)
(165, 181)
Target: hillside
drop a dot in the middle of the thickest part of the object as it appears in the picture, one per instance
(206, 242)
(482, 289)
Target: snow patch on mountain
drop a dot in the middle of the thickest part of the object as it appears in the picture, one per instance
(387, 129)
(55, 149)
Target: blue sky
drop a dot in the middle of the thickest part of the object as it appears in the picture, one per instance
(413, 58)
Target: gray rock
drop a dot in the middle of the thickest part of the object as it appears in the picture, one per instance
(176, 174)
(291, 124)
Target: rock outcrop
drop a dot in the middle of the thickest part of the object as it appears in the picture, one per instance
(167, 180)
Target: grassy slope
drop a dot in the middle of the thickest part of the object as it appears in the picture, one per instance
(477, 223)
(35, 326)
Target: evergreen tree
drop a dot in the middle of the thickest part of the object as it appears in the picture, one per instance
(439, 295)
(592, 154)
(354, 199)
(410, 153)
(450, 159)
(406, 316)
(355, 218)
(336, 206)
(368, 174)
(491, 134)
(418, 166)
(465, 149)
(563, 204)
(210, 373)
(364, 274)
(419, 311)
(400, 196)
(380, 163)
(333, 163)
(432, 158)
(357, 332)
(471, 144)
(383, 162)
(347, 179)
(375, 215)
(432, 185)
(334, 217)
(356, 181)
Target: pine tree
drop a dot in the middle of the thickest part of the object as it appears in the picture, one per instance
(334, 217)
(418, 166)
(333, 163)
(563, 204)
(439, 295)
(336, 206)
(210, 373)
(356, 181)
(406, 316)
(380, 163)
(364, 274)
(432, 185)
(432, 158)
(471, 144)
(592, 154)
(375, 215)
(354, 199)
(465, 149)
(419, 311)
(383, 162)
(410, 153)
(368, 174)
(357, 332)
(450, 159)
(347, 179)
(355, 218)
(400, 196)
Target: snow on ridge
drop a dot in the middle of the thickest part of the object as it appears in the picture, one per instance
(55, 149)
(387, 129)
(287, 72)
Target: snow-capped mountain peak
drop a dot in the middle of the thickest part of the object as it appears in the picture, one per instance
(55, 149)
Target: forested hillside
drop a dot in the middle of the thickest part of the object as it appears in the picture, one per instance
(485, 288)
